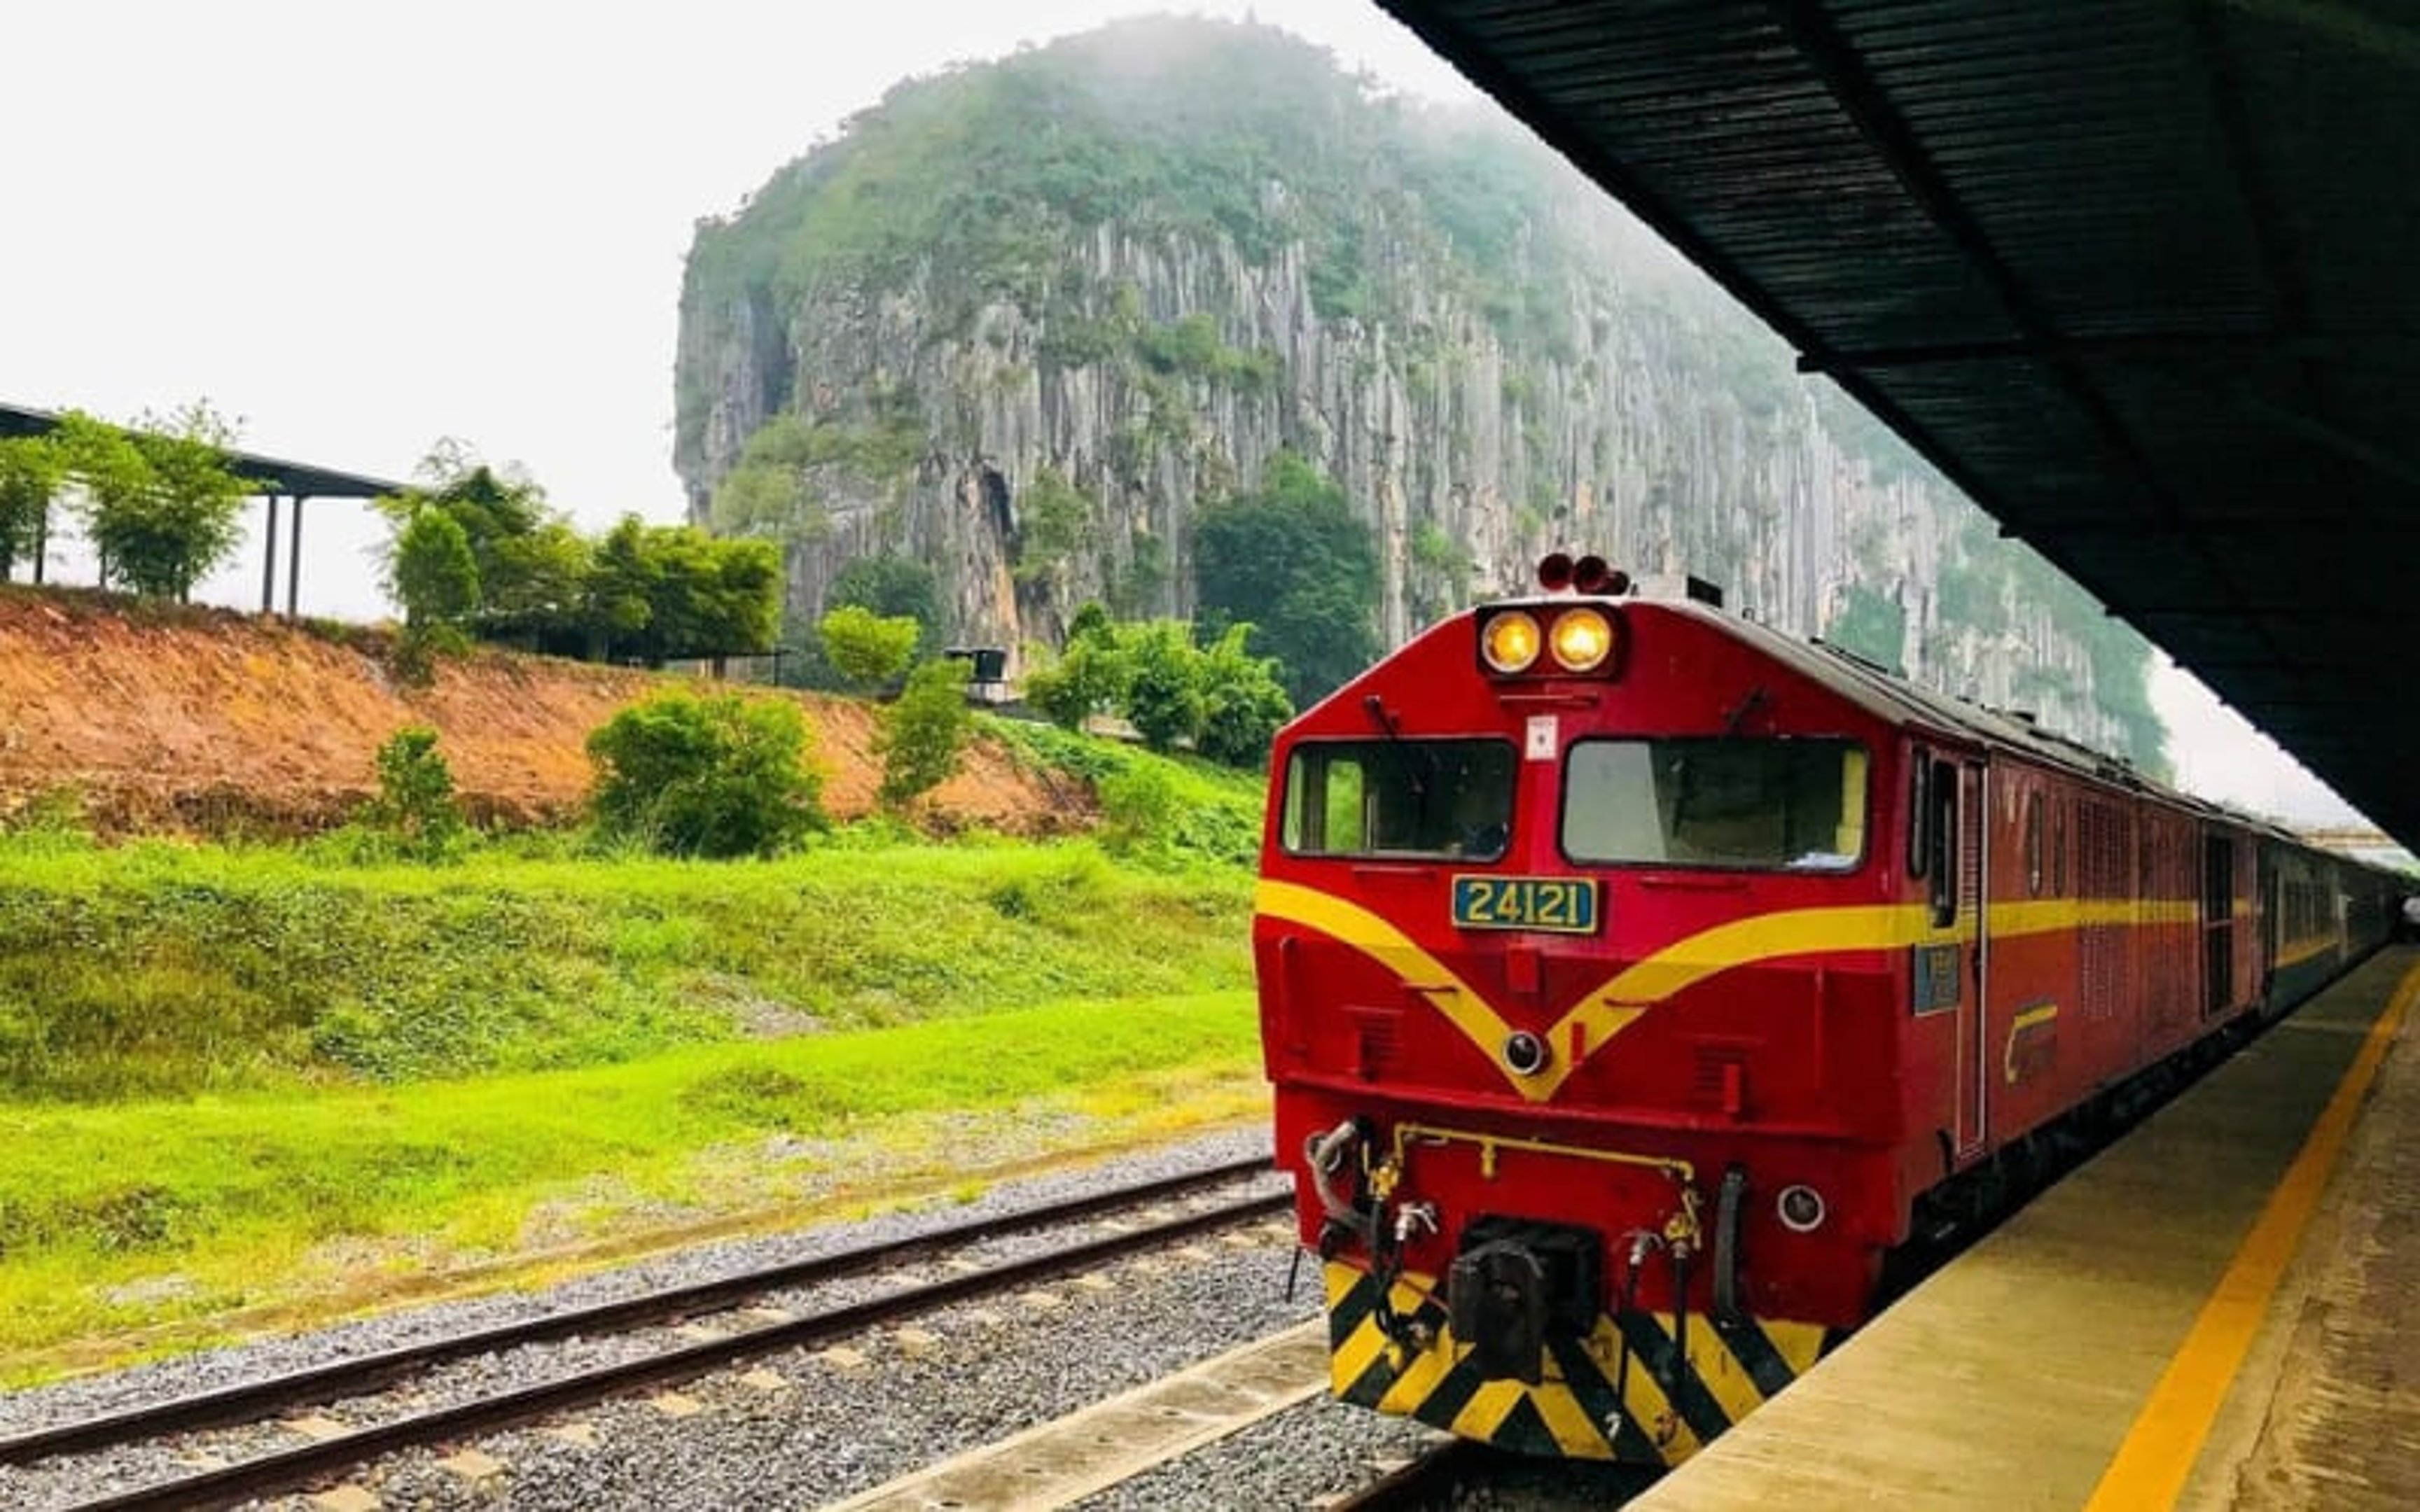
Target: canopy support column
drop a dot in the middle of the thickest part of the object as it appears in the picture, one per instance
(268, 561)
(294, 561)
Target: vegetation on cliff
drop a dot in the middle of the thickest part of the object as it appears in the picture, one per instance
(1035, 319)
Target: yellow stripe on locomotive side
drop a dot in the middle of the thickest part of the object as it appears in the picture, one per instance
(1607, 1010)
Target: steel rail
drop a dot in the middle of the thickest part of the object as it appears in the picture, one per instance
(251, 1400)
(1428, 1479)
(279, 1472)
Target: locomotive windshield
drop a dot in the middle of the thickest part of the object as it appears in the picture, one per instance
(1775, 804)
(1400, 798)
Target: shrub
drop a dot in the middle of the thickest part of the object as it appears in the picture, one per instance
(1140, 809)
(415, 801)
(718, 776)
(866, 648)
(1243, 707)
(924, 732)
(1164, 699)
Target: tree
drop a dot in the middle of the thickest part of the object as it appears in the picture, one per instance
(924, 732)
(531, 565)
(1090, 675)
(1243, 707)
(1052, 521)
(31, 470)
(891, 586)
(1293, 560)
(707, 597)
(624, 578)
(1164, 695)
(719, 776)
(866, 649)
(431, 573)
(162, 502)
(533, 586)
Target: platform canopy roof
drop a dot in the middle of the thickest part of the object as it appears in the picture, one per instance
(268, 475)
(2141, 276)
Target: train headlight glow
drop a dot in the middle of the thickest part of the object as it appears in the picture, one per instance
(1582, 638)
(1510, 643)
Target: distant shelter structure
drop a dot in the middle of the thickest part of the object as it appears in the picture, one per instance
(273, 478)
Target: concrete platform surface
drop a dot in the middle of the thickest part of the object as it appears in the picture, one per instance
(2222, 1310)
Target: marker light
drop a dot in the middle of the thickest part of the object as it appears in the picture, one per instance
(1510, 642)
(1801, 1209)
(1582, 639)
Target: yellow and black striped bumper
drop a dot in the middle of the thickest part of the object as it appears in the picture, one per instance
(1585, 1406)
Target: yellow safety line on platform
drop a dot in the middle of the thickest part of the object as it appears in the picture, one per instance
(2152, 1465)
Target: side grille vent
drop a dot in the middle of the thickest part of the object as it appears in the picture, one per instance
(1718, 1080)
(1378, 1041)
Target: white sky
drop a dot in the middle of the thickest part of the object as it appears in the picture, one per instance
(359, 225)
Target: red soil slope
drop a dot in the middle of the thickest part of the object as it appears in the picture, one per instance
(164, 718)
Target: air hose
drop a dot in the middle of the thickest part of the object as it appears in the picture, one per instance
(1728, 1199)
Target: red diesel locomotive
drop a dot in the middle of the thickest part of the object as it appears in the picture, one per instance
(1634, 979)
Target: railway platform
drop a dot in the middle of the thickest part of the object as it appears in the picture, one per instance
(2219, 1311)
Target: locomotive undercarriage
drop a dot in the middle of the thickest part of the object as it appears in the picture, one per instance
(1532, 1334)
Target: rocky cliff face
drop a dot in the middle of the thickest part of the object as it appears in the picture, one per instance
(1612, 403)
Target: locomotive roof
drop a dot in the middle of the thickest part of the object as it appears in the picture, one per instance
(1890, 697)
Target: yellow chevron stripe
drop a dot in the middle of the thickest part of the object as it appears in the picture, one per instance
(1575, 1433)
(1380, 940)
(1653, 1411)
(1484, 1413)
(1727, 1380)
(1412, 1380)
(1602, 1014)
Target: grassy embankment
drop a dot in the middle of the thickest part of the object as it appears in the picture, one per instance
(240, 1084)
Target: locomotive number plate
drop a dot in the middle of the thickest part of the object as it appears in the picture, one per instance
(1565, 905)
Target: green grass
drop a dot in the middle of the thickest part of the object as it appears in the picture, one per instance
(248, 1085)
(153, 1211)
(159, 969)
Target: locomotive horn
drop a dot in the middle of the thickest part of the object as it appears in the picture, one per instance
(1595, 575)
(1554, 572)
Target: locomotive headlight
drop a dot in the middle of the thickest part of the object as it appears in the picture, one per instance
(1525, 1053)
(1800, 1209)
(1510, 642)
(1582, 638)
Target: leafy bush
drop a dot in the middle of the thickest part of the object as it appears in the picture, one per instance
(415, 801)
(1164, 700)
(866, 648)
(718, 777)
(1090, 678)
(1139, 808)
(922, 734)
(1242, 705)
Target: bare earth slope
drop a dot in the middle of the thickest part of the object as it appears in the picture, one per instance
(168, 717)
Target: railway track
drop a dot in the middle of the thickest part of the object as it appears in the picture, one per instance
(1429, 1479)
(257, 1401)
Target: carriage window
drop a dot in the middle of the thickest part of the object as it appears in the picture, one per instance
(1776, 805)
(1400, 798)
(2034, 843)
(1941, 833)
